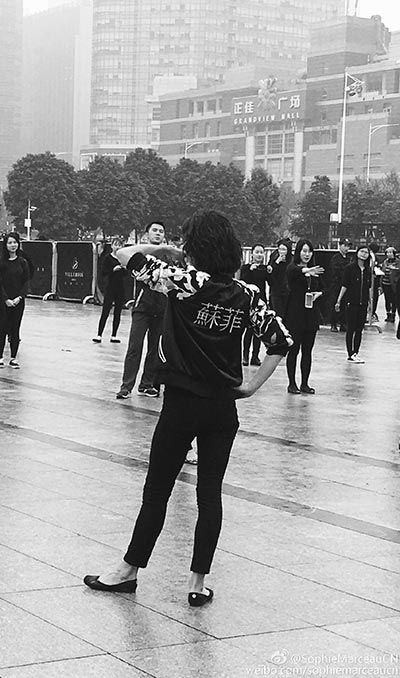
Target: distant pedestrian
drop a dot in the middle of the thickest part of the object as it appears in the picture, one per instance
(357, 278)
(277, 276)
(147, 318)
(114, 292)
(387, 287)
(14, 279)
(254, 273)
(338, 263)
(302, 315)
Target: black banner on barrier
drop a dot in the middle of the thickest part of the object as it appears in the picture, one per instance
(41, 256)
(74, 270)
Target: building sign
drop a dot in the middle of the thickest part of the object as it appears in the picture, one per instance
(268, 106)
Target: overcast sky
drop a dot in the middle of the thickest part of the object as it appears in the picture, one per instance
(388, 9)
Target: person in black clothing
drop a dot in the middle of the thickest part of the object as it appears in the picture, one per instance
(147, 317)
(356, 286)
(338, 263)
(14, 278)
(114, 292)
(200, 364)
(388, 290)
(254, 273)
(302, 314)
(276, 276)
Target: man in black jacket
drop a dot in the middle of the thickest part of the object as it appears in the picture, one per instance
(338, 263)
(147, 317)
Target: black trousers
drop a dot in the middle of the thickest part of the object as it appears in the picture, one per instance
(304, 341)
(185, 416)
(356, 316)
(10, 324)
(279, 303)
(249, 339)
(390, 299)
(111, 297)
(142, 323)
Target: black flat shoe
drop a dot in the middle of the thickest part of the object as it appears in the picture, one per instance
(307, 389)
(199, 599)
(93, 582)
(293, 389)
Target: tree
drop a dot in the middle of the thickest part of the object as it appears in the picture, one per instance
(52, 187)
(116, 200)
(185, 177)
(156, 176)
(266, 195)
(314, 211)
(220, 187)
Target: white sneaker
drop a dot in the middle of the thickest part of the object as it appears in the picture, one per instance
(1, 362)
(355, 358)
(97, 340)
(14, 364)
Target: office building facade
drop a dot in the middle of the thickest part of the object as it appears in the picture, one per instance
(56, 80)
(10, 84)
(134, 41)
(296, 134)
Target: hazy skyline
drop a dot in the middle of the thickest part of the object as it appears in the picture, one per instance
(386, 8)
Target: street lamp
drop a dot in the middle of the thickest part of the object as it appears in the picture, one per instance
(28, 221)
(372, 129)
(190, 145)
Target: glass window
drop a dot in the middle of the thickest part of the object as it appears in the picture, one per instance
(183, 131)
(191, 107)
(211, 105)
(260, 145)
(200, 107)
(274, 169)
(275, 144)
(288, 168)
(219, 128)
(289, 143)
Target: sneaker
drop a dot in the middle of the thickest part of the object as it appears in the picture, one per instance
(334, 329)
(150, 392)
(114, 340)
(122, 394)
(355, 358)
(97, 340)
(14, 364)
(255, 361)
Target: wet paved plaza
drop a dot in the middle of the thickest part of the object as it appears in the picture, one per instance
(307, 572)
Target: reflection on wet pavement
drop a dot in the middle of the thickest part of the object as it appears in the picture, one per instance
(308, 560)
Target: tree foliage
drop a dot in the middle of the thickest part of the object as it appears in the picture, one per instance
(314, 211)
(116, 201)
(216, 187)
(156, 176)
(52, 186)
(266, 195)
(371, 210)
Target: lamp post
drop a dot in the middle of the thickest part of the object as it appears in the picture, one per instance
(372, 129)
(28, 221)
(190, 145)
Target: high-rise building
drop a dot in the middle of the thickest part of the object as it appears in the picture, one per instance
(136, 40)
(56, 80)
(10, 84)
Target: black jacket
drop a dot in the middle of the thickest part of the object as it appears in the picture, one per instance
(298, 318)
(337, 266)
(200, 345)
(357, 282)
(256, 276)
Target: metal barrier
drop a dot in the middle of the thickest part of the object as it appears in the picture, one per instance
(43, 257)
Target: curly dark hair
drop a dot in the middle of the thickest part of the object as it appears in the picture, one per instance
(211, 243)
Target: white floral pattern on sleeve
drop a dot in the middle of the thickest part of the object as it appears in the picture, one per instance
(266, 324)
(162, 277)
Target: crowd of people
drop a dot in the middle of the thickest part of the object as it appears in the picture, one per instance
(206, 315)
